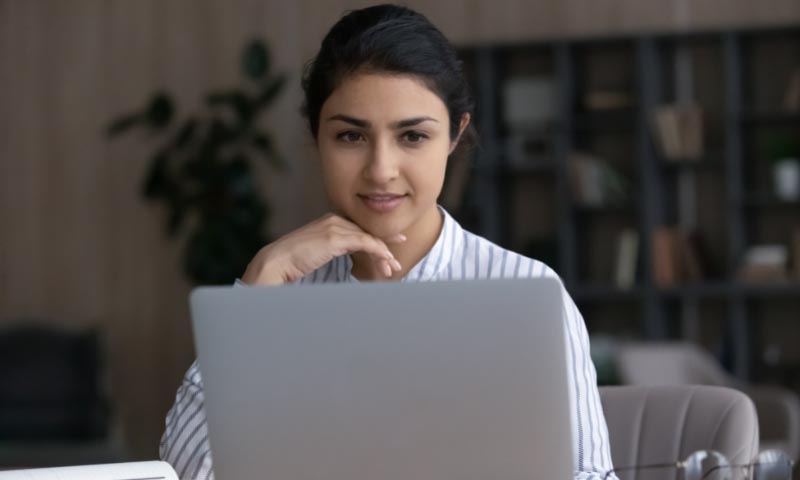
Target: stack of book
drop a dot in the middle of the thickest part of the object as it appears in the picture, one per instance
(679, 257)
(595, 182)
(679, 132)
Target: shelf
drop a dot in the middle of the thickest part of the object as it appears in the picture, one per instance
(721, 289)
(791, 288)
(512, 170)
(710, 162)
(583, 293)
(606, 121)
(725, 79)
(703, 289)
(773, 119)
(768, 200)
(605, 209)
(724, 289)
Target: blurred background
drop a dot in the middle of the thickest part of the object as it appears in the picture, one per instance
(648, 150)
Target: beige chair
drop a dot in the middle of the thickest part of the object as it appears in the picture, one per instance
(684, 363)
(663, 424)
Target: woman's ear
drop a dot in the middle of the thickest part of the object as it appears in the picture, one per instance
(465, 118)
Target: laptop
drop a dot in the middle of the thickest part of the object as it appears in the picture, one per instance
(451, 380)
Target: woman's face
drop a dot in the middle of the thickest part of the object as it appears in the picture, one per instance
(383, 142)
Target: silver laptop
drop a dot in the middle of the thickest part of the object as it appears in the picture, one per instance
(386, 381)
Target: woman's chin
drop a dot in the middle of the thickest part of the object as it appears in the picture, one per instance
(380, 226)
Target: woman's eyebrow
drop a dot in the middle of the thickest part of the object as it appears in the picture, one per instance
(347, 119)
(410, 122)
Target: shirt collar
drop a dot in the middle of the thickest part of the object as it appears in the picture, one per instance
(428, 268)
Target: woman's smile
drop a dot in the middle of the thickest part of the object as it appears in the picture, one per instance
(382, 203)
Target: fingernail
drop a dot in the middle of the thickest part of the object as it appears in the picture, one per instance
(397, 265)
(402, 237)
(387, 270)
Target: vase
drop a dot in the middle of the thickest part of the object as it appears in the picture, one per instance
(786, 178)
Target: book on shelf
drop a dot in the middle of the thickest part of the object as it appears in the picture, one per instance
(665, 259)
(598, 100)
(679, 257)
(153, 470)
(796, 252)
(791, 99)
(764, 263)
(626, 258)
(594, 182)
(678, 131)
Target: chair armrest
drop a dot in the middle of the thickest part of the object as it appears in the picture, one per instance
(778, 416)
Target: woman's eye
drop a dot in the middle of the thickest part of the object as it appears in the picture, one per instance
(415, 137)
(349, 137)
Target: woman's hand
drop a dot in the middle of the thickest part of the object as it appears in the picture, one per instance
(311, 246)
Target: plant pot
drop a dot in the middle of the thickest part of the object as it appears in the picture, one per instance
(786, 179)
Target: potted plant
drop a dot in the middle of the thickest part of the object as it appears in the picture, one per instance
(202, 171)
(784, 152)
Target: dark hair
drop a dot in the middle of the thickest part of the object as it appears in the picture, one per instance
(392, 39)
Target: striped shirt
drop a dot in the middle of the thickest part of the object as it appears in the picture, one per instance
(456, 255)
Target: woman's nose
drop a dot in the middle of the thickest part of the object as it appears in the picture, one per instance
(382, 165)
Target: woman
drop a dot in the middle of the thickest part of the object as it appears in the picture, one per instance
(387, 104)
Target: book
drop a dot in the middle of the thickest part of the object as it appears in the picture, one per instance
(608, 100)
(679, 131)
(680, 257)
(796, 252)
(627, 254)
(665, 257)
(594, 182)
(764, 263)
(153, 470)
(791, 99)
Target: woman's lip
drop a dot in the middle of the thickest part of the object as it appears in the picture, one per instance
(382, 203)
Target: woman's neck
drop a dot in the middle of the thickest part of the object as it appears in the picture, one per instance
(421, 237)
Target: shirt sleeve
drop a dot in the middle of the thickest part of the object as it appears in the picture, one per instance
(592, 452)
(184, 444)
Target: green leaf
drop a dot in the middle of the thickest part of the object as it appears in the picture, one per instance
(159, 112)
(239, 177)
(185, 133)
(255, 60)
(176, 215)
(271, 90)
(122, 124)
(156, 183)
(264, 145)
(215, 255)
(237, 101)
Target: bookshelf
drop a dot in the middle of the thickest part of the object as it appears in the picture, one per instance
(540, 103)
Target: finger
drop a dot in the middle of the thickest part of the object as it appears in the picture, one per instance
(367, 243)
(387, 269)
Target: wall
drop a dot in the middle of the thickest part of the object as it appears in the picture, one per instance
(78, 246)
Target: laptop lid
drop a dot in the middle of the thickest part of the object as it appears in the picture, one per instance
(383, 380)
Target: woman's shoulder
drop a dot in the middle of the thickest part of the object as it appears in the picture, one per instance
(501, 262)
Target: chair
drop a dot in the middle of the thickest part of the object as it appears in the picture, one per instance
(54, 407)
(683, 363)
(662, 424)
